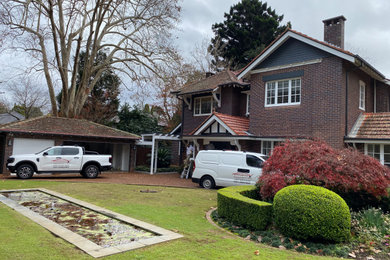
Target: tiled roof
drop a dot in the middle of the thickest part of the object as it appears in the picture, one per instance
(9, 117)
(225, 77)
(65, 126)
(301, 34)
(239, 125)
(372, 126)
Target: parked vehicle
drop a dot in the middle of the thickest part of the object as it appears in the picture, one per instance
(227, 168)
(59, 159)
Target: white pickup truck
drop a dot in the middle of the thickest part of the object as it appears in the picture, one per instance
(59, 159)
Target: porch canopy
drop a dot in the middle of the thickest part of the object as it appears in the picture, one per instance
(152, 140)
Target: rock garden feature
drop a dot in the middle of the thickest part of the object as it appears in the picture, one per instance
(97, 231)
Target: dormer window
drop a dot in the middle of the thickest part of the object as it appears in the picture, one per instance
(203, 106)
(362, 95)
(283, 92)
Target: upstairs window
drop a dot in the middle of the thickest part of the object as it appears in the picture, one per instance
(203, 106)
(362, 95)
(283, 92)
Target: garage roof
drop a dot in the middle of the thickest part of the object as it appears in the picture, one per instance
(50, 125)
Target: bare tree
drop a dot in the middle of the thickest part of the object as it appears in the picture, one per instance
(172, 79)
(30, 99)
(135, 34)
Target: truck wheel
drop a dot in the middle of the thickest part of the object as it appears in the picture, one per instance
(207, 182)
(25, 171)
(91, 171)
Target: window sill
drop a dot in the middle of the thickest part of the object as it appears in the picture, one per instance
(283, 105)
(202, 114)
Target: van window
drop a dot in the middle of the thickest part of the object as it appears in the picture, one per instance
(231, 159)
(208, 158)
(253, 161)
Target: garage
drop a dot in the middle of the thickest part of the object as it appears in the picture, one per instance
(27, 145)
(34, 135)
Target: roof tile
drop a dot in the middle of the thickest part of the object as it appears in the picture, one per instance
(225, 77)
(65, 126)
(375, 126)
(239, 125)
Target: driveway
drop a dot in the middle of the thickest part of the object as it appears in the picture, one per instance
(161, 179)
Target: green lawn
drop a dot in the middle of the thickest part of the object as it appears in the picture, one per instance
(176, 209)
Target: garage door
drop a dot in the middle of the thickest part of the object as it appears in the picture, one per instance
(27, 145)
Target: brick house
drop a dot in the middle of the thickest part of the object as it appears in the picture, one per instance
(297, 87)
(34, 135)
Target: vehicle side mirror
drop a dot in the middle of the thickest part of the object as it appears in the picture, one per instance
(45, 153)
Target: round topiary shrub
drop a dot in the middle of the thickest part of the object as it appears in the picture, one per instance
(312, 212)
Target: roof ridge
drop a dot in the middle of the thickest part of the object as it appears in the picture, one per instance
(115, 129)
(18, 123)
(23, 121)
(322, 42)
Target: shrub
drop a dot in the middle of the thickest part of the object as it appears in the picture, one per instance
(242, 210)
(312, 212)
(370, 224)
(353, 175)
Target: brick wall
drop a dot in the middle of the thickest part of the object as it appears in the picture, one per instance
(321, 113)
(354, 76)
(233, 102)
(382, 97)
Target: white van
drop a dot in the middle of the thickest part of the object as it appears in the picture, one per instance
(227, 168)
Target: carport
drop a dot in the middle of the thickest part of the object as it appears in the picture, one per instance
(152, 140)
(34, 135)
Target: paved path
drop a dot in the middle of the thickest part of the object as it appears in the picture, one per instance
(160, 179)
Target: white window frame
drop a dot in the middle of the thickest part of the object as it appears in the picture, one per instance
(381, 154)
(200, 106)
(272, 146)
(276, 93)
(247, 104)
(362, 95)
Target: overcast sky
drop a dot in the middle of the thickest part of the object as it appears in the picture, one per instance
(367, 29)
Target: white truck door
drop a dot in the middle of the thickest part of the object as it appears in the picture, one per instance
(50, 160)
(72, 158)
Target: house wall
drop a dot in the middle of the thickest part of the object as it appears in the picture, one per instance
(292, 51)
(354, 76)
(233, 102)
(382, 97)
(320, 114)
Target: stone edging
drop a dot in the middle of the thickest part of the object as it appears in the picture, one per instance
(81, 242)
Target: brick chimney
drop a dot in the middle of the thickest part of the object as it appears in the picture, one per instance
(334, 31)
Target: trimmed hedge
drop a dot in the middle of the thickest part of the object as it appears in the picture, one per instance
(236, 204)
(312, 212)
